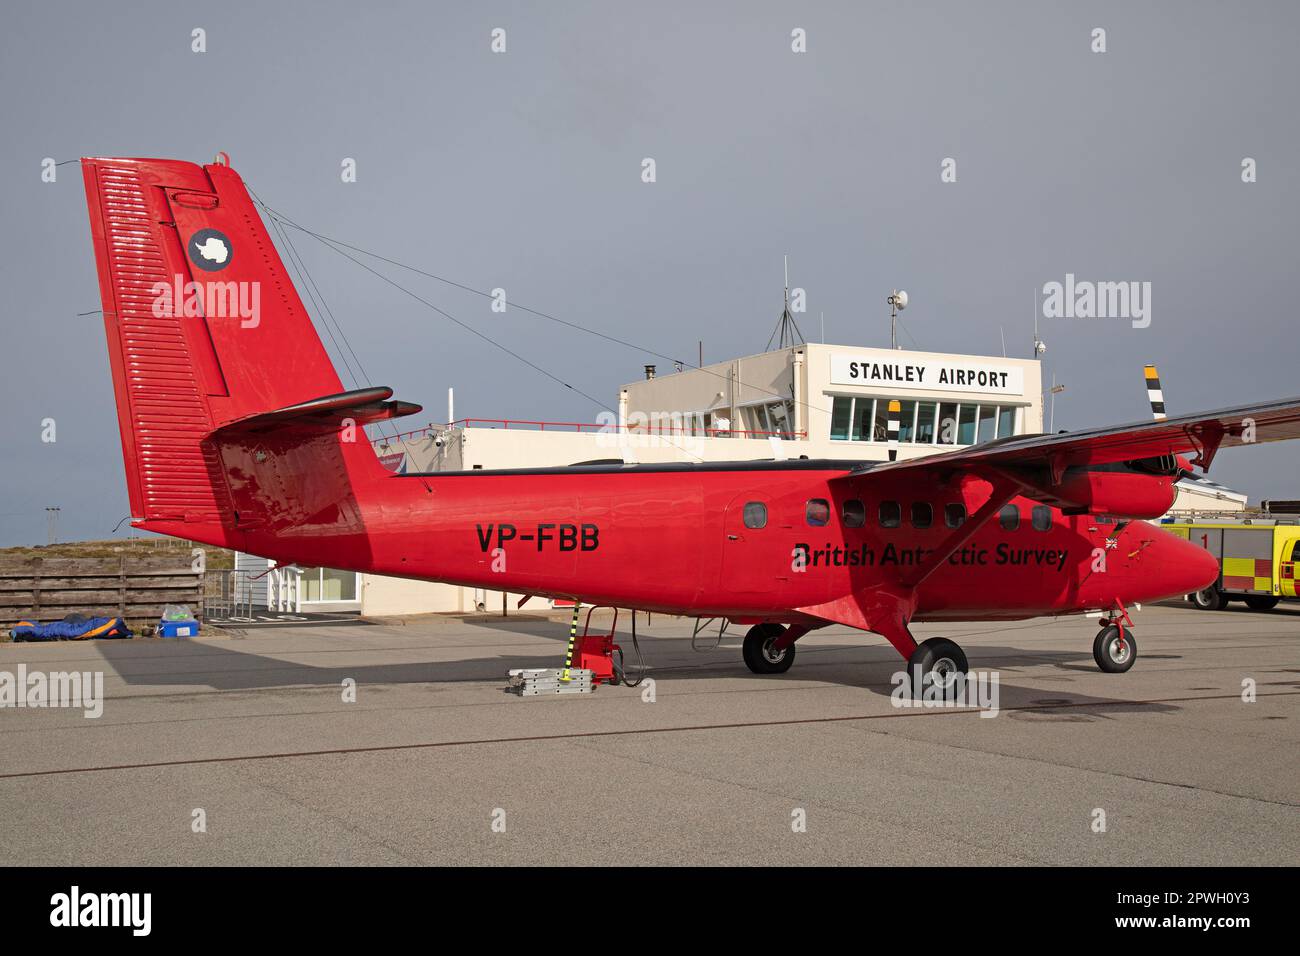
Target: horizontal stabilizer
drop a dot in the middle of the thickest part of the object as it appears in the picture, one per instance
(362, 406)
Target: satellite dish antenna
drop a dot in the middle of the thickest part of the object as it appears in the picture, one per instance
(897, 303)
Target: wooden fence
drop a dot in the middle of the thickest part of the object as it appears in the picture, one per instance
(132, 586)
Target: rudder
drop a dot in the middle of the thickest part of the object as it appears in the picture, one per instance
(204, 327)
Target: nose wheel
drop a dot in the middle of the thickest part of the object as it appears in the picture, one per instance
(760, 655)
(1114, 649)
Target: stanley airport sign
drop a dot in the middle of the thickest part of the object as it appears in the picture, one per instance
(925, 375)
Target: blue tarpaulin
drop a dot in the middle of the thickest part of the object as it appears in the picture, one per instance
(74, 627)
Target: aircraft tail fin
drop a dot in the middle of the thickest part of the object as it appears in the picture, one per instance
(205, 330)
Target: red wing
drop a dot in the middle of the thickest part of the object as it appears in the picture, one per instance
(1200, 434)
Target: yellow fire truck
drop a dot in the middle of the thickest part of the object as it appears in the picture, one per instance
(1259, 558)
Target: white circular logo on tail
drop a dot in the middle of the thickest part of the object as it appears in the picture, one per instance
(210, 250)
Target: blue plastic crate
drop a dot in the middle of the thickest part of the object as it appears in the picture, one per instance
(178, 628)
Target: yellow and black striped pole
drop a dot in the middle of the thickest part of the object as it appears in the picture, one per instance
(573, 637)
(895, 412)
(1154, 393)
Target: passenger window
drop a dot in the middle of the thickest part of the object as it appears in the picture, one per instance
(954, 515)
(854, 513)
(1009, 516)
(891, 515)
(818, 512)
(922, 514)
(755, 514)
(1041, 518)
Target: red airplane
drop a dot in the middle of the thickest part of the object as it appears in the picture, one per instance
(237, 432)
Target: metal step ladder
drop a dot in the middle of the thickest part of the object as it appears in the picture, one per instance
(548, 681)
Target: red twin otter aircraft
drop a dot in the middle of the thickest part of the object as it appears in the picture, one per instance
(236, 431)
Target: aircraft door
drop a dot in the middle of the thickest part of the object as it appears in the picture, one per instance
(750, 545)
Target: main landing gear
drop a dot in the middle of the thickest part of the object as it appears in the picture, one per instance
(939, 657)
(763, 654)
(769, 649)
(1114, 648)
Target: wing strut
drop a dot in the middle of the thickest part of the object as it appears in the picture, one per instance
(1004, 489)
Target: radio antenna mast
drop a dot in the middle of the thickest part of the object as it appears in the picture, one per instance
(786, 334)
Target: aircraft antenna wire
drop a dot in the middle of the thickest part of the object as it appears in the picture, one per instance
(333, 242)
(329, 244)
(322, 309)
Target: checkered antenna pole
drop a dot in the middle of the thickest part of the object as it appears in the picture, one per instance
(1154, 394)
(573, 637)
(895, 409)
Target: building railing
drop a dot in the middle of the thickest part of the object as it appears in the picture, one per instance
(587, 427)
(1260, 519)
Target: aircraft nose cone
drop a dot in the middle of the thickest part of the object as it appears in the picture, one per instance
(1163, 565)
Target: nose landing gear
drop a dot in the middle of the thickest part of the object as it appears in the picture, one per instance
(1114, 648)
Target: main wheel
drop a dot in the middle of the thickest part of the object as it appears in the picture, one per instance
(758, 653)
(1210, 599)
(1114, 650)
(1262, 602)
(940, 657)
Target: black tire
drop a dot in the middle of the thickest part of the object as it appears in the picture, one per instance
(937, 655)
(1210, 599)
(757, 653)
(1112, 655)
(1262, 602)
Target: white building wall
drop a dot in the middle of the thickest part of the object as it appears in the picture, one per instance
(253, 585)
(397, 597)
(1193, 499)
(1011, 381)
(805, 376)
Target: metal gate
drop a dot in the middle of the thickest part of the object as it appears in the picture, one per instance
(228, 595)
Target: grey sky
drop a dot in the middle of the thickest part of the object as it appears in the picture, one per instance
(523, 171)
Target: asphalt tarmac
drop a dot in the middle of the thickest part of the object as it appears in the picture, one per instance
(435, 762)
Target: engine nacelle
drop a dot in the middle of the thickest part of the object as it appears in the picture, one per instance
(1141, 490)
